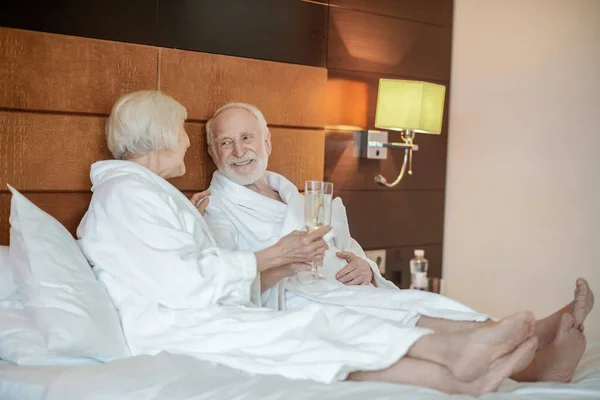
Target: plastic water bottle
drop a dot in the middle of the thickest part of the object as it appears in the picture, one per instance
(418, 271)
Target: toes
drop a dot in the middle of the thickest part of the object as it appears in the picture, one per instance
(580, 287)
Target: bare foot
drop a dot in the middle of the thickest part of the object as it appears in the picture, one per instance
(583, 303)
(477, 349)
(557, 361)
(502, 368)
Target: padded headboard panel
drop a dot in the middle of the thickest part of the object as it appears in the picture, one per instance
(56, 91)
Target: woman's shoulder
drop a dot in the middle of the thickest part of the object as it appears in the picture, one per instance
(126, 191)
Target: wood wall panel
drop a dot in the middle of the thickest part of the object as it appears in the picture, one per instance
(438, 12)
(397, 39)
(291, 95)
(394, 218)
(287, 31)
(42, 71)
(372, 43)
(297, 154)
(41, 152)
(126, 21)
(67, 208)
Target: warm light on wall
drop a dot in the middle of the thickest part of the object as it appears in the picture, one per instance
(409, 107)
(346, 104)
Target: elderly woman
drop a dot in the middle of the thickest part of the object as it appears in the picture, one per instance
(175, 291)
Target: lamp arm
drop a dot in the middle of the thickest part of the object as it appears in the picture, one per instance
(380, 179)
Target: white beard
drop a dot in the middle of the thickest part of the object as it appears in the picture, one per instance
(254, 175)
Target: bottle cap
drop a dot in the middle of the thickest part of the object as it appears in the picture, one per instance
(420, 253)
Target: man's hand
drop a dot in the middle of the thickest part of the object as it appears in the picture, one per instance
(357, 272)
(200, 200)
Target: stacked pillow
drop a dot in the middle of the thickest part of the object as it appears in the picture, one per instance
(52, 308)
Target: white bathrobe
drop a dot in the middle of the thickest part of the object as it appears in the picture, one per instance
(175, 291)
(241, 219)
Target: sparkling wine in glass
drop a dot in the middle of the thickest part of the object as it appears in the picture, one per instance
(317, 213)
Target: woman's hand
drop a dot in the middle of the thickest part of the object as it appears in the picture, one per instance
(356, 272)
(270, 277)
(200, 200)
(302, 247)
(297, 247)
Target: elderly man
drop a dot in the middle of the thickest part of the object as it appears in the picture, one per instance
(176, 291)
(250, 208)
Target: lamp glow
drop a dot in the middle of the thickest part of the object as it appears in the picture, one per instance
(410, 105)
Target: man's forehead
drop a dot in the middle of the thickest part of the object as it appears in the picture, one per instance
(234, 121)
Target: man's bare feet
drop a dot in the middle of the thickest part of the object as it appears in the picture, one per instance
(583, 303)
(502, 368)
(580, 307)
(557, 361)
(474, 351)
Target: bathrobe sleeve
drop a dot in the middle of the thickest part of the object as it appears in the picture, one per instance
(173, 261)
(223, 230)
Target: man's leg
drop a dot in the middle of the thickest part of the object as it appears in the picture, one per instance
(418, 372)
(565, 350)
(545, 329)
(557, 361)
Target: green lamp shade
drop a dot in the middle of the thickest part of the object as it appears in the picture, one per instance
(418, 106)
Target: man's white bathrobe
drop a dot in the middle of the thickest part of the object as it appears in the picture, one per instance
(176, 291)
(241, 219)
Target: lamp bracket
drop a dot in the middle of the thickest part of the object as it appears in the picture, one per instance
(374, 145)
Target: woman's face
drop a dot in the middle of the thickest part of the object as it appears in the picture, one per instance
(170, 163)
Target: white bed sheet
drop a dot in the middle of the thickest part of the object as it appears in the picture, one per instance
(169, 376)
(27, 383)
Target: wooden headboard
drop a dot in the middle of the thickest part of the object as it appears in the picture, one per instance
(56, 91)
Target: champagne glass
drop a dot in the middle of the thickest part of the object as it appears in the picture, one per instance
(317, 213)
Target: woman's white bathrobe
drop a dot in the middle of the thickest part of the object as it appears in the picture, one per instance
(241, 219)
(175, 291)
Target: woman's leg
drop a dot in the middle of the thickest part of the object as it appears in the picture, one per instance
(466, 354)
(435, 376)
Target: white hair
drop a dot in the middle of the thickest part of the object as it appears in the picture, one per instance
(243, 106)
(142, 122)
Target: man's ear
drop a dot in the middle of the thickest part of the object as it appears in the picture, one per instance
(210, 151)
(268, 143)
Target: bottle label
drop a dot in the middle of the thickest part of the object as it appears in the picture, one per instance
(419, 281)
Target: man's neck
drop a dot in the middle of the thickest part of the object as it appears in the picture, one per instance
(262, 187)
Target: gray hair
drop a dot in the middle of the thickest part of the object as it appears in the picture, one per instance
(244, 106)
(142, 122)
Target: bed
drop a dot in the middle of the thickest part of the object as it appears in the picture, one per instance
(170, 376)
(51, 169)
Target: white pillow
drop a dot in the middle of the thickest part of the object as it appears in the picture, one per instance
(7, 285)
(58, 289)
(20, 342)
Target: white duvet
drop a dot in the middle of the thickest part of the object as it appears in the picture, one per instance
(172, 377)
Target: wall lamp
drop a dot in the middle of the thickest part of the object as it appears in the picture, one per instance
(408, 107)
